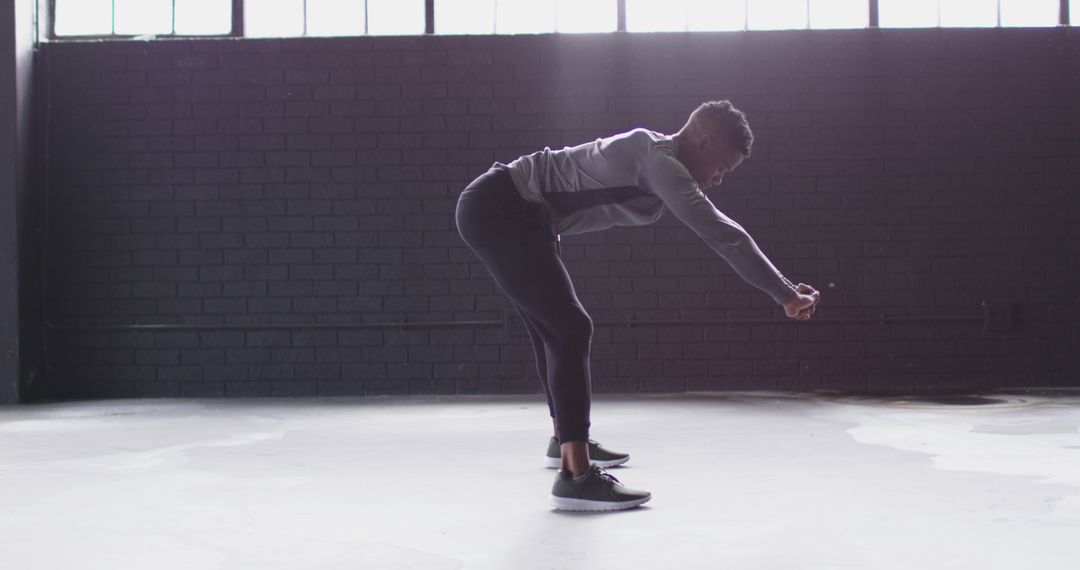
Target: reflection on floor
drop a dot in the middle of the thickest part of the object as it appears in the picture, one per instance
(755, 480)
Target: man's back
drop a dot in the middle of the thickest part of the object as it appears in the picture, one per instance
(595, 185)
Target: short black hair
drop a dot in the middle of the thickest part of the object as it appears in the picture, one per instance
(731, 122)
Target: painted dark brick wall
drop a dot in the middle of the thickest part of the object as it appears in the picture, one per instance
(282, 198)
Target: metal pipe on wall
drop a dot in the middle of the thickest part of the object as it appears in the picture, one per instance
(629, 323)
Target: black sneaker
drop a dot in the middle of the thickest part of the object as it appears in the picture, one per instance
(594, 490)
(597, 455)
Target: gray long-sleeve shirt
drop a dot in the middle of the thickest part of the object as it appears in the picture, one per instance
(631, 179)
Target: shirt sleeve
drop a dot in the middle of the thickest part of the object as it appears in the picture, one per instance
(666, 177)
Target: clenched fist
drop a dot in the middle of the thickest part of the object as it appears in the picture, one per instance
(801, 307)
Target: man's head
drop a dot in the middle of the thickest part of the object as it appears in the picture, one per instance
(714, 141)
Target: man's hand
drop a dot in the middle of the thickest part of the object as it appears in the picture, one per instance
(801, 307)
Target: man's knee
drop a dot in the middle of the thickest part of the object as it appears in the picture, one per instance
(576, 327)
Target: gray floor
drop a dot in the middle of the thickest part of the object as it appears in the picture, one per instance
(750, 480)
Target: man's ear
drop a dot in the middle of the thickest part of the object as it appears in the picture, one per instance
(704, 141)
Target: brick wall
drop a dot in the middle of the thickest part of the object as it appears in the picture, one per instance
(282, 198)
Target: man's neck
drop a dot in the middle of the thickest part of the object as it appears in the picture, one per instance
(679, 139)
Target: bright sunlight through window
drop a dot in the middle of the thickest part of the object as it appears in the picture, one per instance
(83, 17)
(711, 15)
(520, 16)
(525, 16)
(1030, 13)
(832, 14)
(290, 18)
(777, 15)
(203, 17)
(968, 13)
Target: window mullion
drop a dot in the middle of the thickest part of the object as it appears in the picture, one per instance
(237, 18)
(52, 19)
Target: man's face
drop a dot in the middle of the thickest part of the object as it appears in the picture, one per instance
(714, 158)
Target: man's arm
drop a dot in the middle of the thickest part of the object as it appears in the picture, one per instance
(664, 175)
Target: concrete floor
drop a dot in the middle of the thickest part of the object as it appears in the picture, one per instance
(756, 480)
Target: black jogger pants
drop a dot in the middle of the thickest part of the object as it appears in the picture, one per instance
(514, 240)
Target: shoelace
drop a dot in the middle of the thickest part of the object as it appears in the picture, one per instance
(605, 475)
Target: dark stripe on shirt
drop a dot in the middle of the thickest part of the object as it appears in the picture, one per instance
(566, 203)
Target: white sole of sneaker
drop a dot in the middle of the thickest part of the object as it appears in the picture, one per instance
(567, 504)
(556, 462)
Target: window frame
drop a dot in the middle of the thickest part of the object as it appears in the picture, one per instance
(237, 31)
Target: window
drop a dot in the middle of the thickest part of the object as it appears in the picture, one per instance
(649, 16)
(968, 13)
(709, 15)
(284, 18)
(584, 16)
(776, 14)
(395, 17)
(685, 15)
(465, 16)
(717, 15)
(335, 18)
(267, 18)
(524, 16)
(1027, 13)
(83, 17)
(203, 17)
(908, 13)
(291, 18)
(825, 14)
(135, 17)
(142, 17)
(933, 13)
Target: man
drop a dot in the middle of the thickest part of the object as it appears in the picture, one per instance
(512, 217)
